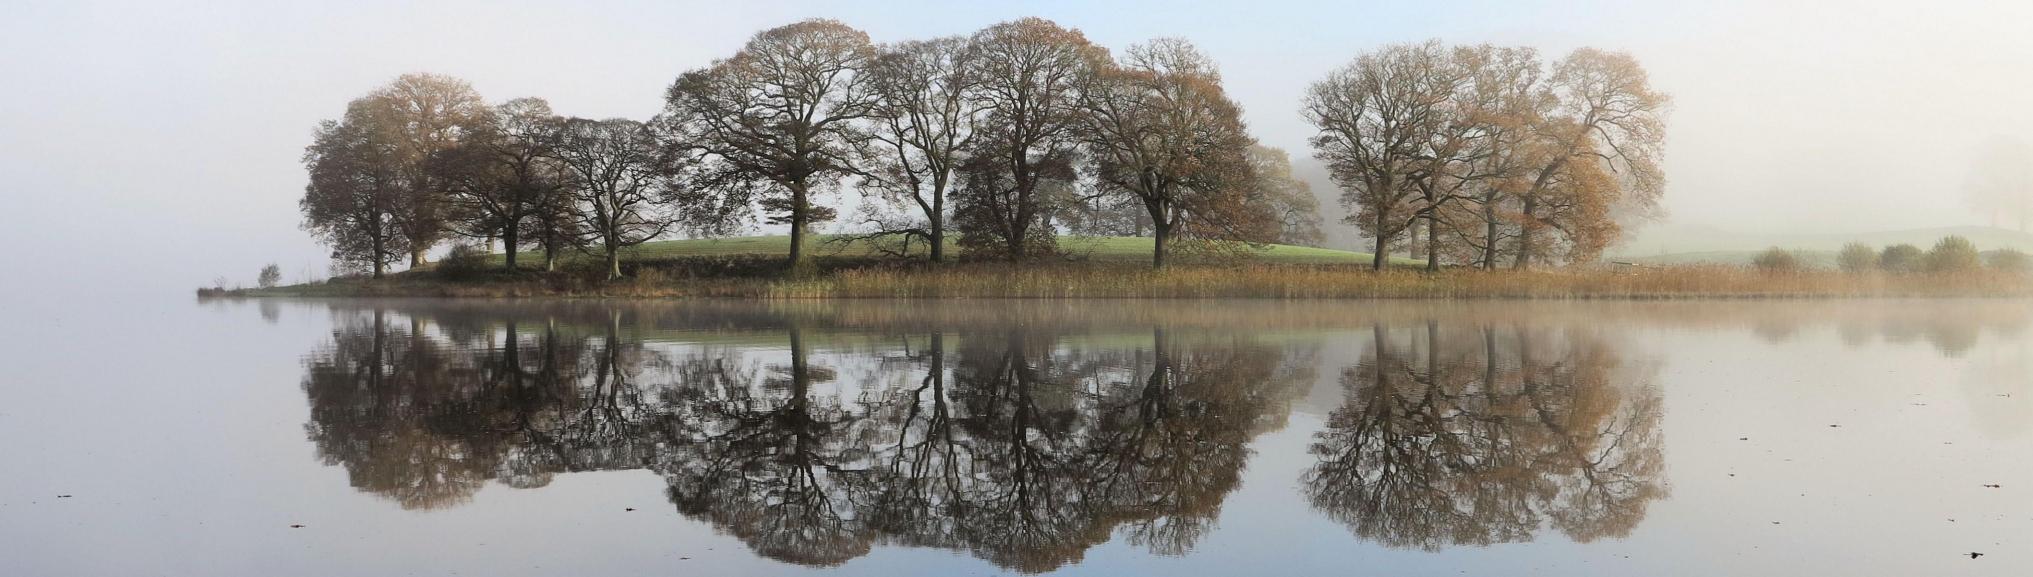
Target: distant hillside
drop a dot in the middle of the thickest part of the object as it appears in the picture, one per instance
(1670, 244)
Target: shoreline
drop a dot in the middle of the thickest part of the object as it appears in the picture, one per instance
(1239, 282)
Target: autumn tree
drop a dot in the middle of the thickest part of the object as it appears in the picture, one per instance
(353, 201)
(1376, 117)
(924, 122)
(1161, 130)
(617, 174)
(776, 123)
(422, 115)
(1600, 144)
(1502, 98)
(503, 174)
(1028, 76)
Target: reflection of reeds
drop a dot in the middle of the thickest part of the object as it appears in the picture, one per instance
(1090, 280)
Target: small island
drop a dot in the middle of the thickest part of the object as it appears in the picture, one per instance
(1024, 161)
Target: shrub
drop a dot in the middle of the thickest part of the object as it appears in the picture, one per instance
(2009, 260)
(1776, 260)
(1952, 254)
(1900, 258)
(270, 276)
(464, 262)
(1856, 258)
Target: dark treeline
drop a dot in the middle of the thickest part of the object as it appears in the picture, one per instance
(999, 142)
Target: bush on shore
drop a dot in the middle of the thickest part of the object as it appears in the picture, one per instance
(1951, 255)
(1776, 260)
(1857, 258)
(1901, 258)
(2010, 261)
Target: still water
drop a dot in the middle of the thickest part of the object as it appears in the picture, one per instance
(358, 437)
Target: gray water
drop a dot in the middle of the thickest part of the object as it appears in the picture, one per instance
(358, 437)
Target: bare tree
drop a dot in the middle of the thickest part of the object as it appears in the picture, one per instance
(1028, 75)
(775, 123)
(1377, 117)
(924, 121)
(355, 194)
(503, 173)
(617, 180)
(423, 114)
(1161, 130)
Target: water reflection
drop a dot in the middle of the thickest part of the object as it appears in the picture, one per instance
(1028, 434)
(1024, 445)
(1484, 435)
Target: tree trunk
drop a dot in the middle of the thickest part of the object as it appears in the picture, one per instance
(509, 241)
(938, 225)
(613, 263)
(379, 257)
(799, 215)
(1526, 234)
(1432, 244)
(1489, 239)
(416, 256)
(1376, 261)
(550, 254)
(1161, 233)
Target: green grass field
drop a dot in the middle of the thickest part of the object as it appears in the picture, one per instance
(1105, 249)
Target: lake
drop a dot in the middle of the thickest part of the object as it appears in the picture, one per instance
(447, 437)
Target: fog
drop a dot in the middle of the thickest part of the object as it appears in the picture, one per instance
(152, 146)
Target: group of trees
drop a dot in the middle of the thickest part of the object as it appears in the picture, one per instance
(1007, 137)
(1952, 254)
(1488, 153)
(424, 159)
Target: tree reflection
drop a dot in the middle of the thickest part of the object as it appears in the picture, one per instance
(1486, 436)
(1018, 445)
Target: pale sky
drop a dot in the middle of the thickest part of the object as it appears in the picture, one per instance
(152, 146)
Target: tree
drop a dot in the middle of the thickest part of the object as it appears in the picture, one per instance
(775, 123)
(1291, 201)
(2009, 260)
(423, 114)
(1953, 254)
(1901, 258)
(1776, 260)
(270, 275)
(924, 122)
(504, 173)
(1028, 76)
(1856, 258)
(1162, 131)
(617, 175)
(1601, 148)
(1376, 118)
(1504, 99)
(355, 194)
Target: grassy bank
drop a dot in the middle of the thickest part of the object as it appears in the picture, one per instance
(1104, 249)
(1254, 280)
